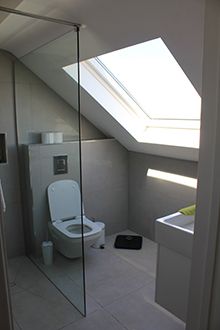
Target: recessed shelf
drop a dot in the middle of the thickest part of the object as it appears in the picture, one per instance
(3, 149)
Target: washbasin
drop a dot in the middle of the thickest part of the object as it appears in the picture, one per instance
(180, 221)
(175, 231)
(174, 235)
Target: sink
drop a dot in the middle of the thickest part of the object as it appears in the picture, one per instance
(174, 235)
(175, 231)
(178, 220)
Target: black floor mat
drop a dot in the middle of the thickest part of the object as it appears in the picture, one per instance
(128, 242)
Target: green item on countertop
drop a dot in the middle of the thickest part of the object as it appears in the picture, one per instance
(189, 210)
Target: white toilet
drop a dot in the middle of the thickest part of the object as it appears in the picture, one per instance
(65, 226)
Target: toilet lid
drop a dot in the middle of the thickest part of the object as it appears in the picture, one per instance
(64, 200)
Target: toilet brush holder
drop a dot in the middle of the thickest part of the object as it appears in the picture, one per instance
(47, 252)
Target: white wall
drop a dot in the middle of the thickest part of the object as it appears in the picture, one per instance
(203, 307)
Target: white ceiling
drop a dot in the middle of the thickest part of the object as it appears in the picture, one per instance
(111, 25)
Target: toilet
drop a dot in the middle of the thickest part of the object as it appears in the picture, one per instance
(65, 226)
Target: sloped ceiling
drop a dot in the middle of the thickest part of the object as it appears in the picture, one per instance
(112, 25)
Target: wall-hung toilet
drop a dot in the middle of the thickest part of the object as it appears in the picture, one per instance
(66, 225)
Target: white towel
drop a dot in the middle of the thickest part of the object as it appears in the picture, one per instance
(2, 199)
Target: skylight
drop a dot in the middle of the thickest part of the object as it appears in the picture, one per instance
(146, 91)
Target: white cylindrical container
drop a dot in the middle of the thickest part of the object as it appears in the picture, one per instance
(47, 137)
(58, 137)
(47, 252)
(101, 240)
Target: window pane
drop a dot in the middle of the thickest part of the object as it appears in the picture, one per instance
(154, 78)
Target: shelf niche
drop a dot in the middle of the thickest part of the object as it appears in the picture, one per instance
(3, 149)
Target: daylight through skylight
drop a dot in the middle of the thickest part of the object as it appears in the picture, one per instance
(146, 91)
(152, 75)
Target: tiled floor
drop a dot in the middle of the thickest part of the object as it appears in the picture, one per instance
(120, 292)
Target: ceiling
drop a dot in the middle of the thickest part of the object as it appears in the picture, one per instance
(112, 25)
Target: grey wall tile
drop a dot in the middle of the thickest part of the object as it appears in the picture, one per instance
(6, 68)
(14, 230)
(105, 183)
(105, 164)
(39, 109)
(40, 174)
(9, 172)
(136, 312)
(151, 198)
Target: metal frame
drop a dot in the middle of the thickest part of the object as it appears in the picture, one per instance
(80, 165)
(44, 18)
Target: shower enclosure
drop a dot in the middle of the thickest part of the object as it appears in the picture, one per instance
(34, 108)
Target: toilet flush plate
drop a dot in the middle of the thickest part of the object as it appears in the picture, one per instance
(60, 165)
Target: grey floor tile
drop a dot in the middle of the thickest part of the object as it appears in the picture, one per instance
(14, 288)
(147, 292)
(107, 291)
(71, 290)
(63, 267)
(120, 280)
(136, 312)
(100, 320)
(91, 305)
(32, 311)
(102, 265)
(26, 274)
(14, 266)
(144, 259)
(16, 326)
(67, 275)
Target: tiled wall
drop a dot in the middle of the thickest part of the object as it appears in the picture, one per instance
(38, 109)
(105, 183)
(151, 198)
(107, 195)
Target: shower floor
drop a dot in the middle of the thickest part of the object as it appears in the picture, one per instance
(120, 288)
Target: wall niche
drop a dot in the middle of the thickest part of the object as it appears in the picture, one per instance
(3, 149)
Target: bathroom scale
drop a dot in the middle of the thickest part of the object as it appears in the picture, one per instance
(132, 242)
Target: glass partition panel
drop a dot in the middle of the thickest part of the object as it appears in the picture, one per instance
(42, 127)
(48, 130)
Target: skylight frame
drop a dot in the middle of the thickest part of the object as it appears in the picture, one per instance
(107, 78)
(110, 82)
(110, 93)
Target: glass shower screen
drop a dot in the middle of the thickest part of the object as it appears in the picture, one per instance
(47, 145)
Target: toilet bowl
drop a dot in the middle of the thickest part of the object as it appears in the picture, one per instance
(66, 225)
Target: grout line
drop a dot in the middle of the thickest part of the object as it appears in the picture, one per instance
(97, 302)
(71, 323)
(131, 263)
(18, 325)
(125, 295)
(48, 301)
(100, 306)
(116, 319)
(18, 269)
(17, 292)
(76, 321)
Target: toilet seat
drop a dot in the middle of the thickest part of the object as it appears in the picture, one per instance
(63, 227)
